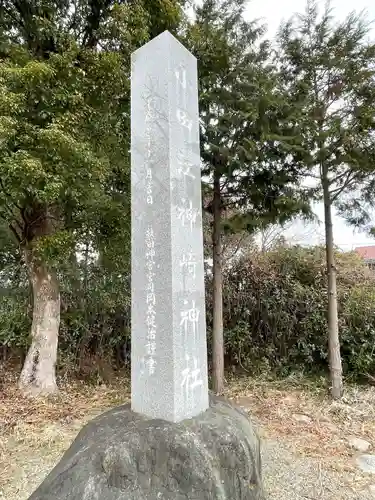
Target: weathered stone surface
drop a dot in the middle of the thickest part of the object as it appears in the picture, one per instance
(122, 455)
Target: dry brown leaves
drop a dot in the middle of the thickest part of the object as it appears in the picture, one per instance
(74, 401)
(308, 420)
(29, 425)
(299, 414)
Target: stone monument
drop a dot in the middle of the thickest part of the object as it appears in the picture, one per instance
(168, 353)
(173, 442)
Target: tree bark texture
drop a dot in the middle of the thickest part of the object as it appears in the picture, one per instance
(334, 354)
(38, 372)
(217, 330)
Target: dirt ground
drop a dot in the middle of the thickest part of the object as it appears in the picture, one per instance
(306, 454)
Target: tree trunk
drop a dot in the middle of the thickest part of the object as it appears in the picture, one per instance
(38, 372)
(334, 355)
(217, 330)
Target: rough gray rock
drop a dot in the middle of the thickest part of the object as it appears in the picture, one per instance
(121, 455)
(359, 444)
(366, 463)
(304, 419)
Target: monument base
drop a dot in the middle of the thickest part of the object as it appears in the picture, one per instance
(123, 455)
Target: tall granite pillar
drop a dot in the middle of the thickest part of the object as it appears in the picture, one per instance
(168, 353)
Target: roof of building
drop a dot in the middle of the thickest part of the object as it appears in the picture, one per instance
(366, 252)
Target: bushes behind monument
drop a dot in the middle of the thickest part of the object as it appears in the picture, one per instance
(274, 316)
(275, 312)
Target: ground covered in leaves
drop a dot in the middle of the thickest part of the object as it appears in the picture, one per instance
(305, 436)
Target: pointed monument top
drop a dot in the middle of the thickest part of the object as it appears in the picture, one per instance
(163, 40)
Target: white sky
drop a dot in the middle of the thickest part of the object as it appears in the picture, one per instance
(272, 13)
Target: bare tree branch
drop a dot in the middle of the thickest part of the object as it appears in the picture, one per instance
(15, 233)
(237, 247)
(335, 193)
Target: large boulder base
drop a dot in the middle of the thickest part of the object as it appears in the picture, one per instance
(122, 455)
